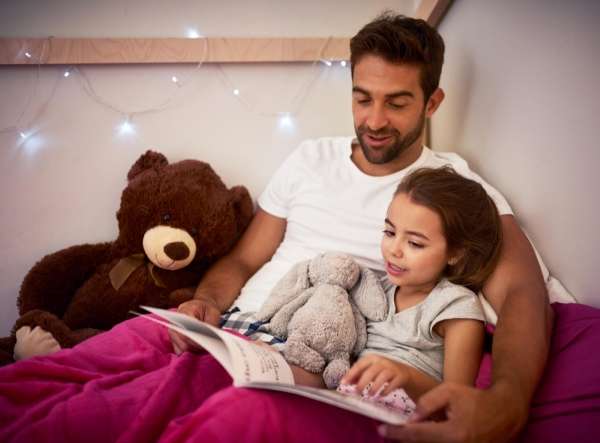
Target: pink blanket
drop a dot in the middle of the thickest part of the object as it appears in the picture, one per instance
(126, 385)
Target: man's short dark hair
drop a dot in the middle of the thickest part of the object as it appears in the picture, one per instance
(400, 39)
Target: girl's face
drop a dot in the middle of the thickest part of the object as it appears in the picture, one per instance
(413, 246)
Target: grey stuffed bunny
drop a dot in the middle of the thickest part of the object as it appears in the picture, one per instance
(320, 305)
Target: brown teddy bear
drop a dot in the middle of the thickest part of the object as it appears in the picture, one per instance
(175, 220)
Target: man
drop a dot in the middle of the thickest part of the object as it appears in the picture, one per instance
(326, 198)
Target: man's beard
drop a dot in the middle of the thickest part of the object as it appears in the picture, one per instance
(400, 144)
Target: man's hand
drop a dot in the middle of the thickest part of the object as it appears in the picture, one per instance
(203, 309)
(472, 415)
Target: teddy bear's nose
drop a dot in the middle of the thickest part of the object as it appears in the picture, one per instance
(177, 250)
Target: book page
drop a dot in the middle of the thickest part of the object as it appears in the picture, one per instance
(348, 402)
(243, 360)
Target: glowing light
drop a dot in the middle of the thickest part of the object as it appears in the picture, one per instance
(66, 74)
(343, 63)
(174, 79)
(236, 92)
(126, 128)
(192, 33)
(28, 55)
(30, 141)
(326, 62)
(285, 120)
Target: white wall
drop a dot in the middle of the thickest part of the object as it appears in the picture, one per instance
(521, 80)
(62, 186)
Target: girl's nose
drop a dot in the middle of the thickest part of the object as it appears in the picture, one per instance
(397, 251)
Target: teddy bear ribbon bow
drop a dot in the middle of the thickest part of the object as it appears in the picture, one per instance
(120, 272)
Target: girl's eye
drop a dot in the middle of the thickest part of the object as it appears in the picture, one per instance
(416, 245)
(388, 233)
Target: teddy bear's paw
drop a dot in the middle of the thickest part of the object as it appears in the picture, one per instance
(34, 342)
(298, 353)
(334, 372)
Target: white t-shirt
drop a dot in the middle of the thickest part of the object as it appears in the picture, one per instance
(331, 205)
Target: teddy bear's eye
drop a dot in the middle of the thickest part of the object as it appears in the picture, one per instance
(193, 231)
(166, 217)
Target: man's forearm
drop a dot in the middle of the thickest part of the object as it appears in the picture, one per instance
(521, 343)
(223, 282)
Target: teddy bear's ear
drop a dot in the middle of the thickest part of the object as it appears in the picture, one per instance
(149, 160)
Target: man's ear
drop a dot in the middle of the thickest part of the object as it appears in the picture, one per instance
(434, 102)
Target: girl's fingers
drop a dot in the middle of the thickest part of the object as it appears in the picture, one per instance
(395, 382)
(355, 371)
(381, 381)
(367, 377)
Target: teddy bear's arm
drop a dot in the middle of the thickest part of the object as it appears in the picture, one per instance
(279, 323)
(293, 283)
(361, 330)
(52, 282)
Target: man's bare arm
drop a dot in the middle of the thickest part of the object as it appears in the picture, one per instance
(223, 281)
(226, 277)
(517, 292)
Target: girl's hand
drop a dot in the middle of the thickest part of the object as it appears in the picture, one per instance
(381, 372)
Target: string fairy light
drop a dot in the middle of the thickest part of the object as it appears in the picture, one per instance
(285, 118)
(126, 127)
(192, 33)
(26, 130)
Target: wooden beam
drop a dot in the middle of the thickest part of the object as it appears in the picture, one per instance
(81, 51)
(433, 11)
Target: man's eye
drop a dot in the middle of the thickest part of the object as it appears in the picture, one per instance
(396, 106)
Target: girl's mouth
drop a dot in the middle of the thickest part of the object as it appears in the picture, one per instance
(395, 270)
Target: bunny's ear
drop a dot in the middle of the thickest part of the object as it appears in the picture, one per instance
(369, 296)
(289, 287)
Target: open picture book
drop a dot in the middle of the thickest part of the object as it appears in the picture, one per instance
(253, 366)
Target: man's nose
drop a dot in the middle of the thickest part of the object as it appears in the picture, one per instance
(377, 119)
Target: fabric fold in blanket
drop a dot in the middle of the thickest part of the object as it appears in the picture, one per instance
(127, 386)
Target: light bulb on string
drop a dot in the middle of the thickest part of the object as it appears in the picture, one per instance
(126, 127)
(67, 73)
(285, 120)
(326, 62)
(28, 55)
(343, 63)
(236, 92)
(192, 33)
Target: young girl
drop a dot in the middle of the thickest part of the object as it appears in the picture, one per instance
(441, 241)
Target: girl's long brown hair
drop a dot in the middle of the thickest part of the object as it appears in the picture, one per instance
(470, 221)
